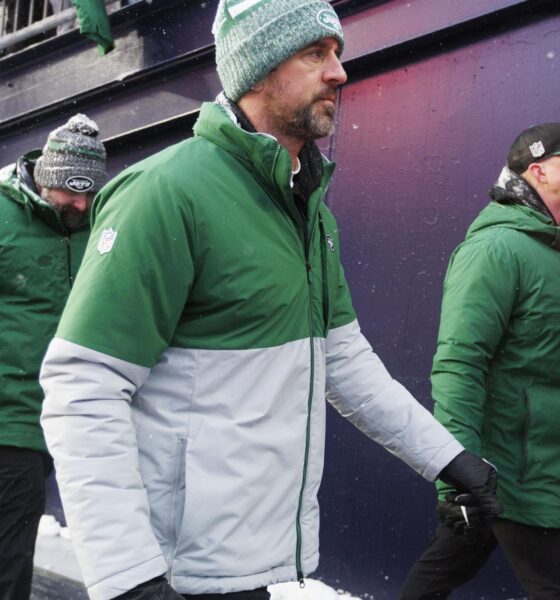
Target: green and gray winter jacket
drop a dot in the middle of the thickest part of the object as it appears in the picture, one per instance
(496, 374)
(38, 261)
(206, 326)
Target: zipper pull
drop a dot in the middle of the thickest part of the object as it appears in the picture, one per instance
(301, 581)
(308, 267)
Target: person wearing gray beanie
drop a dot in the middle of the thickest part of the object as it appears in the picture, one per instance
(254, 37)
(71, 169)
(209, 322)
(44, 204)
(279, 65)
(73, 158)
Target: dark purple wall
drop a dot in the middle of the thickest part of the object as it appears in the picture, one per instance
(419, 142)
(438, 90)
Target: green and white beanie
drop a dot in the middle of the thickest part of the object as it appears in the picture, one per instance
(73, 158)
(255, 36)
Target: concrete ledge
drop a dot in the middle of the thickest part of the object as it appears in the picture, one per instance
(51, 586)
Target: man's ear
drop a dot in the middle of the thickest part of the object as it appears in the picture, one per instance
(537, 171)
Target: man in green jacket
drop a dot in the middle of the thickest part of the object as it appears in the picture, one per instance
(185, 387)
(44, 202)
(496, 377)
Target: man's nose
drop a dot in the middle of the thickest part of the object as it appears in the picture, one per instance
(81, 203)
(335, 73)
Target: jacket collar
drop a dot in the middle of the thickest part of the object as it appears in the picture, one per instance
(267, 160)
(511, 188)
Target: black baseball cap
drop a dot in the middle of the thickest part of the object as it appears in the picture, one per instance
(533, 145)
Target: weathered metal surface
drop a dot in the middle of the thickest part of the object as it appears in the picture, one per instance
(163, 60)
(421, 18)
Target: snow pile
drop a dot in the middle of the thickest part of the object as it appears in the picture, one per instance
(50, 527)
(313, 590)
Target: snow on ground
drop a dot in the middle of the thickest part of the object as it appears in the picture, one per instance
(313, 590)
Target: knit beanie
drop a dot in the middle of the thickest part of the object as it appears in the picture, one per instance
(255, 36)
(73, 158)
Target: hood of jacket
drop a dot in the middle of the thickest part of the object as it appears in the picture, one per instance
(16, 181)
(519, 217)
(17, 184)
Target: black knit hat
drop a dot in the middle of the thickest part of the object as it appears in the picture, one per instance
(73, 157)
(533, 145)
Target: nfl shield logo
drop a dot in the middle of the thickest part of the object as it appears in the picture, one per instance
(537, 149)
(106, 241)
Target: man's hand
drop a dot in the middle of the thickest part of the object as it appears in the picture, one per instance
(467, 522)
(474, 479)
(155, 589)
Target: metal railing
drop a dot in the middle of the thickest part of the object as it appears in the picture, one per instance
(18, 14)
(23, 22)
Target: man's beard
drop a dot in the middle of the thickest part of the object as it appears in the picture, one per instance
(309, 122)
(70, 217)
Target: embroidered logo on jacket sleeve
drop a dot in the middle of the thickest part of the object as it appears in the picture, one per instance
(106, 241)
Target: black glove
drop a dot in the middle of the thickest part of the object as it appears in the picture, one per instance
(469, 473)
(155, 589)
(467, 522)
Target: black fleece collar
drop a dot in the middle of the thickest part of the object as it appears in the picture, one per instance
(311, 173)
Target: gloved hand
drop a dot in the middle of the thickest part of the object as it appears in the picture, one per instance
(155, 589)
(469, 473)
(468, 522)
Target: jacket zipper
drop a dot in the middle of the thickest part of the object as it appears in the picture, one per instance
(525, 439)
(68, 260)
(306, 248)
(306, 244)
(68, 250)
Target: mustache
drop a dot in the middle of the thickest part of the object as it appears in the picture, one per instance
(327, 94)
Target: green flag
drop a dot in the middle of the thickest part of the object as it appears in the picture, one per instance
(94, 23)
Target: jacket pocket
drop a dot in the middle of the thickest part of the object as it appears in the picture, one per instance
(177, 498)
(541, 449)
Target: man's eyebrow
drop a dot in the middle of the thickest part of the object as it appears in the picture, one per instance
(324, 43)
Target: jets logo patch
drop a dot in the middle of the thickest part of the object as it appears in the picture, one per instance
(79, 183)
(328, 18)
